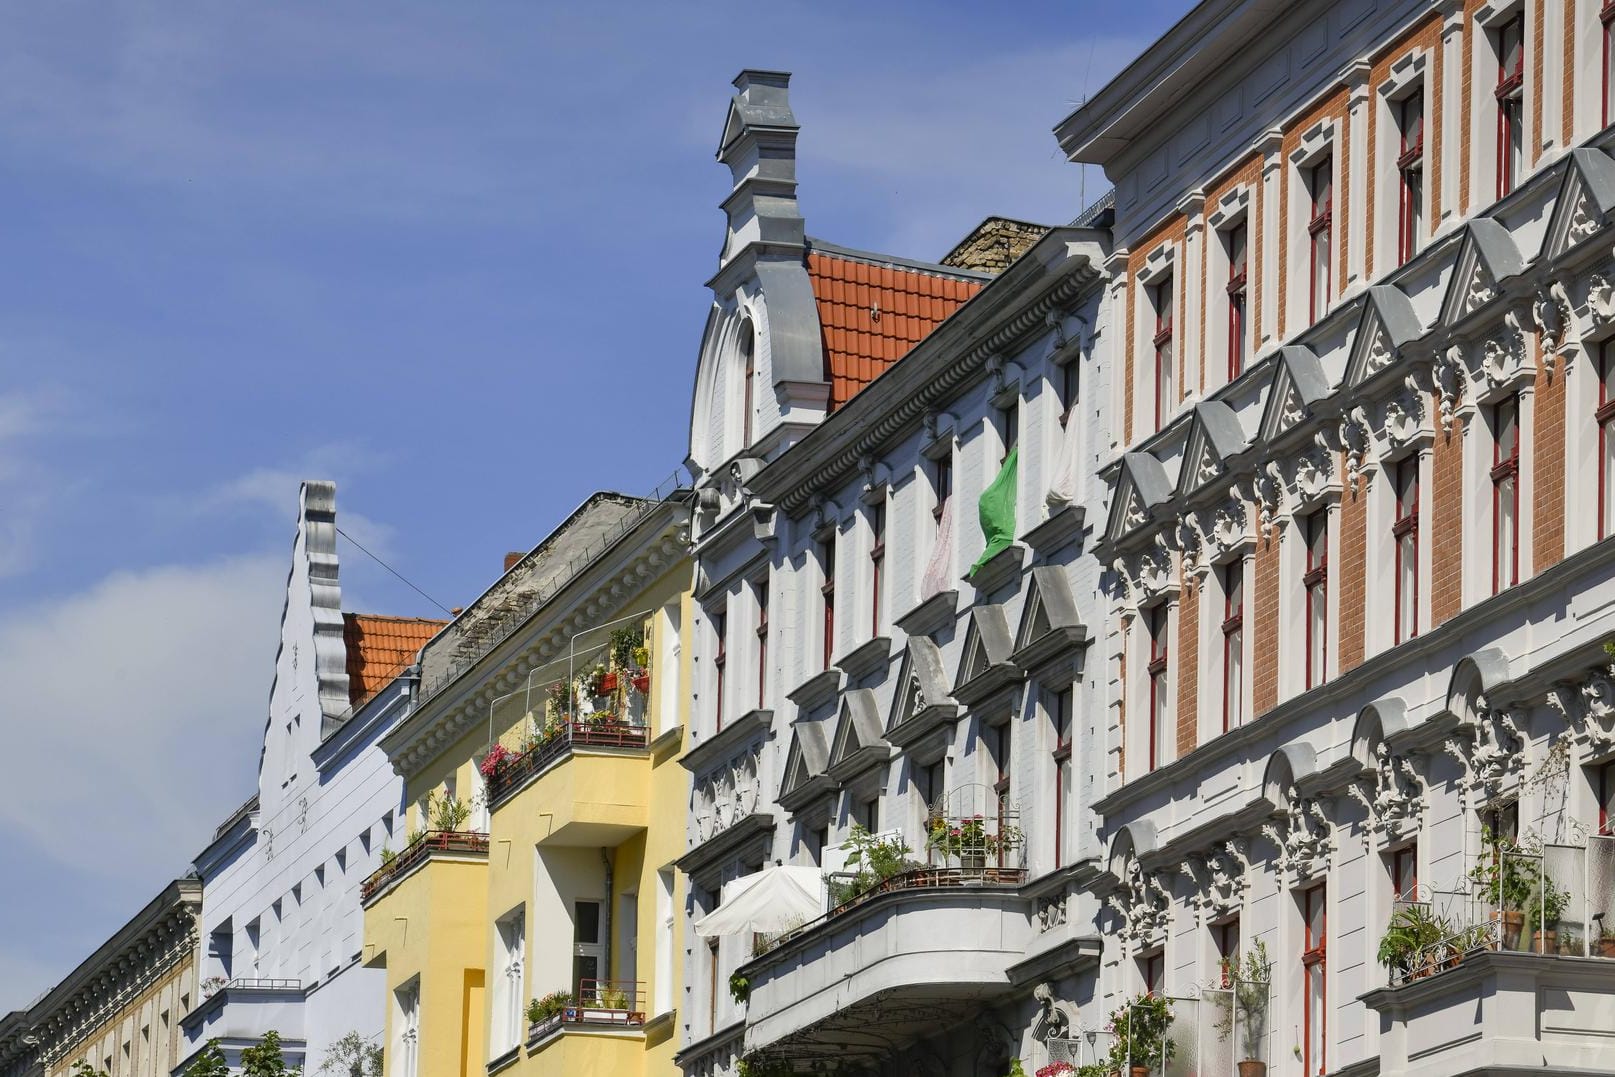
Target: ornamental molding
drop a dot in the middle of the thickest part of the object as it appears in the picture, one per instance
(1355, 439)
(1450, 376)
(1496, 755)
(1221, 877)
(1314, 477)
(1504, 360)
(1393, 793)
(1147, 575)
(1144, 905)
(1551, 312)
(1404, 418)
(1267, 493)
(1588, 710)
(1056, 1019)
(1304, 837)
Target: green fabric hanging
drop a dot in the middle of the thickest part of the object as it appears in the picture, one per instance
(997, 511)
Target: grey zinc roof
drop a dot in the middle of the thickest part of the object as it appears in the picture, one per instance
(1496, 247)
(1306, 372)
(1222, 428)
(1396, 313)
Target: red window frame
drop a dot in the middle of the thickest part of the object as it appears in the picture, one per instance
(1315, 582)
(750, 376)
(1160, 683)
(1506, 493)
(877, 563)
(1320, 237)
(1161, 295)
(1233, 643)
(827, 590)
(720, 661)
(1064, 708)
(1510, 95)
(1606, 18)
(1410, 173)
(1605, 417)
(1606, 800)
(1152, 970)
(1002, 741)
(762, 641)
(1405, 873)
(1405, 537)
(1238, 266)
(1314, 966)
(1226, 938)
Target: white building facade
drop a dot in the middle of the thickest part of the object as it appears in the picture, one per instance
(1359, 760)
(854, 672)
(281, 925)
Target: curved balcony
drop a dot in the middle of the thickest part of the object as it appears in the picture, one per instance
(434, 844)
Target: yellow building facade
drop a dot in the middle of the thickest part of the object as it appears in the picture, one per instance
(531, 921)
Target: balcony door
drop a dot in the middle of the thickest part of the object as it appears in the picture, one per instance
(588, 946)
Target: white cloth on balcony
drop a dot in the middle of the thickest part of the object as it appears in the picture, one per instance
(768, 902)
(939, 569)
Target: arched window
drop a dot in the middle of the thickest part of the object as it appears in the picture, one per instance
(748, 354)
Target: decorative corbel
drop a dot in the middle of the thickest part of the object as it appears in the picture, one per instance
(1450, 375)
(1354, 437)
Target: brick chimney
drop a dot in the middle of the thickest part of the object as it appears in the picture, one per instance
(512, 557)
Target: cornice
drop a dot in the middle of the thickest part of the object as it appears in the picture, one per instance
(726, 742)
(597, 594)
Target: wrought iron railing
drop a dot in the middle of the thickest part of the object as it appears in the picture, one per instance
(432, 843)
(597, 1002)
(586, 733)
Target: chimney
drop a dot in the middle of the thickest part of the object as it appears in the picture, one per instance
(512, 558)
(759, 146)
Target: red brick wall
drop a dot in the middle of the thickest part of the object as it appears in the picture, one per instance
(1445, 532)
(1265, 625)
(1548, 472)
(1187, 666)
(1353, 562)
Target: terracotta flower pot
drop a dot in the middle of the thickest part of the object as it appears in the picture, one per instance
(1513, 925)
(1252, 1067)
(1139, 1071)
(1607, 946)
(1550, 942)
(608, 683)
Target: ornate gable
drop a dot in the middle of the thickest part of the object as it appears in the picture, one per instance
(1585, 202)
(985, 665)
(1298, 383)
(805, 774)
(1141, 484)
(1388, 322)
(922, 701)
(1050, 626)
(858, 743)
(1214, 437)
(1487, 257)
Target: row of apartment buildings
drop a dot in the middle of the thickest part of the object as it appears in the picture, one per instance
(1187, 609)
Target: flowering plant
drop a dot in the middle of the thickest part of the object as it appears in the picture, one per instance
(497, 757)
(211, 986)
(956, 837)
(1056, 1069)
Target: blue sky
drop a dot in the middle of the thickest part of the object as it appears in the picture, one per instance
(450, 255)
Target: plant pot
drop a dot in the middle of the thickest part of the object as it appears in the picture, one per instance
(978, 862)
(1607, 947)
(1252, 1067)
(1139, 1071)
(641, 683)
(1550, 942)
(607, 684)
(1513, 925)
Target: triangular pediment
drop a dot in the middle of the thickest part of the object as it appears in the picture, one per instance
(805, 762)
(858, 742)
(921, 681)
(987, 644)
(1214, 436)
(1049, 607)
(1486, 258)
(1388, 321)
(1141, 484)
(1585, 203)
(1298, 383)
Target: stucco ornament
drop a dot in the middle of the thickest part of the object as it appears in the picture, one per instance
(1153, 573)
(1051, 912)
(1600, 299)
(1551, 310)
(1499, 749)
(1588, 710)
(1056, 1019)
(1303, 836)
(1227, 528)
(1220, 877)
(1503, 357)
(1354, 436)
(1398, 794)
(1267, 490)
(1451, 378)
(1404, 416)
(1190, 537)
(1316, 475)
(1142, 903)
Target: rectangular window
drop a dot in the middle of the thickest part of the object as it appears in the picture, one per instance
(712, 985)
(720, 662)
(666, 940)
(1226, 938)
(1320, 229)
(877, 563)
(1410, 167)
(1152, 971)
(929, 781)
(511, 943)
(1063, 707)
(1605, 417)
(999, 740)
(1233, 644)
(748, 348)
(867, 814)
(1313, 966)
(1405, 873)
(1405, 535)
(827, 565)
(1510, 94)
(942, 487)
(1237, 280)
(1607, 18)
(407, 1022)
(1316, 584)
(1070, 383)
(1606, 799)
(1503, 821)
(1506, 494)
(1009, 427)
(588, 948)
(1160, 684)
(761, 587)
(1165, 361)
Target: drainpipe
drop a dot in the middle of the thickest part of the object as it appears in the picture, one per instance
(605, 919)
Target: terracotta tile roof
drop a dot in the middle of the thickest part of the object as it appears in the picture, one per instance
(871, 312)
(380, 647)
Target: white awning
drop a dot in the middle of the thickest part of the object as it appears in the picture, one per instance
(770, 901)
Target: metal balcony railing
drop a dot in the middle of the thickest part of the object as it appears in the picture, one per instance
(596, 1002)
(559, 740)
(423, 848)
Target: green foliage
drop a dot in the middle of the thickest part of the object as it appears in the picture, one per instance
(352, 1056)
(1015, 1068)
(1141, 1029)
(1250, 982)
(387, 856)
(753, 1067)
(209, 1062)
(551, 1005)
(264, 1059)
(1412, 928)
(624, 642)
(739, 987)
(872, 861)
(448, 812)
(82, 1068)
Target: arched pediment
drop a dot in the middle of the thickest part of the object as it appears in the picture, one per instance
(1285, 767)
(1473, 678)
(1380, 720)
(1132, 841)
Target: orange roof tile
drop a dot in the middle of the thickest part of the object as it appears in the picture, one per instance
(871, 315)
(379, 648)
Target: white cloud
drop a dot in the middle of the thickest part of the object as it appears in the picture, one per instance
(133, 711)
(27, 417)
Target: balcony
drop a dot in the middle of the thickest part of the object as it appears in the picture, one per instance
(581, 782)
(514, 771)
(597, 1029)
(240, 1011)
(455, 845)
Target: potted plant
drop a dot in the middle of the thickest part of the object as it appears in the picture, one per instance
(497, 758)
(1543, 911)
(625, 641)
(641, 656)
(1142, 1042)
(1248, 983)
(1411, 939)
(641, 682)
(549, 1007)
(965, 839)
(1056, 1069)
(1504, 880)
